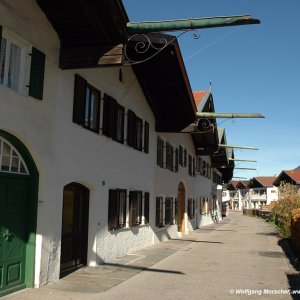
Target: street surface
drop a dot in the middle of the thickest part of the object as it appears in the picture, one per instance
(238, 258)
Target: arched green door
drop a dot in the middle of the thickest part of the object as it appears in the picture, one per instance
(17, 216)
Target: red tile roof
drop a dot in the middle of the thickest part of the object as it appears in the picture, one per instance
(294, 174)
(198, 96)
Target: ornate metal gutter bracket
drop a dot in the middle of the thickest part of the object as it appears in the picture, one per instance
(144, 45)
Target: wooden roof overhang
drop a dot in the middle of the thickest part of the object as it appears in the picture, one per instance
(165, 83)
(91, 32)
(220, 158)
(227, 170)
(254, 183)
(242, 185)
(284, 177)
(206, 140)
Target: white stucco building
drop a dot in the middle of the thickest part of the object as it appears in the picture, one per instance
(92, 161)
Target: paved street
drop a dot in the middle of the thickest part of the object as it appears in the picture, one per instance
(230, 260)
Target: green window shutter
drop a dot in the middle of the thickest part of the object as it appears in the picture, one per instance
(37, 69)
(79, 100)
(112, 210)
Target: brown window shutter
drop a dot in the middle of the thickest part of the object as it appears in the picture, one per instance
(79, 100)
(112, 210)
(132, 209)
(0, 35)
(146, 207)
(109, 116)
(130, 128)
(146, 137)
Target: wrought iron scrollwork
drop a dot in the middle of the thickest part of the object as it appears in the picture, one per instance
(141, 48)
(204, 125)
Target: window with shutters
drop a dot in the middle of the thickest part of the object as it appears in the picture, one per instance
(169, 213)
(159, 220)
(92, 108)
(14, 58)
(169, 157)
(86, 104)
(160, 152)
(117, 209)
(135, 208)
(134, 131)
(113, 119)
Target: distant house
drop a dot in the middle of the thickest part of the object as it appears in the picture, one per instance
(292, 177)
(250, 194)
(244, 197)
(262, 191)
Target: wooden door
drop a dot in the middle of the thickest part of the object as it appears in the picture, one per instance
(181, 207)
(74, 228)
(14, 194)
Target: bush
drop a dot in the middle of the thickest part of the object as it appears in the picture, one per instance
(289, 200)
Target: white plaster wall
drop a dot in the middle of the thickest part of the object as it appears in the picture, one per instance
(102, 164)
(272, 194)
(65, 152)
(32, 121)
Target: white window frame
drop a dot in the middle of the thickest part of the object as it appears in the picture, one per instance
(11, 156)
(25, 61)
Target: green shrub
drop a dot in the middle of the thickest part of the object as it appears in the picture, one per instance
(289, 200)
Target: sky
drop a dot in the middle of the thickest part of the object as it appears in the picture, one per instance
(253, 69)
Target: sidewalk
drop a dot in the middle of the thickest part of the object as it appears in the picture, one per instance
(220, 261)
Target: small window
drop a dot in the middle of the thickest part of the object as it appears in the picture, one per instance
(117, 209)
(113, 119)
(160, 152)
(92, 108)
(10, 159)
(13, 62)
(159, 212)
(135, 208)
(86, 105)
(134, 131)
(169, 157)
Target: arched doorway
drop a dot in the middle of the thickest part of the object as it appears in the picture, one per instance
(181, 207)
(18, 210)
(74, 238)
